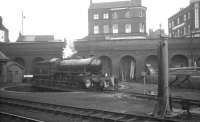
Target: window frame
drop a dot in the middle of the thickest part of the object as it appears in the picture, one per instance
(2, 36)
(106, 15)
(128, 28)
(96, 29)
(141, 27)
(127, 14)
(115, 29)
(104, 29)
(114, 15)
(95, 16)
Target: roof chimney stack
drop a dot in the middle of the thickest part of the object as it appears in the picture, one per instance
(136, 2)
(1, 21)
(90, 2)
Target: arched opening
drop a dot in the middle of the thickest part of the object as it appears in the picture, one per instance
(20, 61)
(15, 72)
(151, 68)
(179, 61)
(198, 62)
(127, 68)
(106, 65)
(36, 68)
(152, 60)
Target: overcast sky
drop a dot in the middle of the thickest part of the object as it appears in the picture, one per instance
(68, 18)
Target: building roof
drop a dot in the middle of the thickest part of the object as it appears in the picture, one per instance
(180, 12)
(35, 38)
(10, 63)
(117, 4)
(3, 57)
(193, 1)
(140, 44)
(2, 27)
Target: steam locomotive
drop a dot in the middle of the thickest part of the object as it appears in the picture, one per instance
(78, 73)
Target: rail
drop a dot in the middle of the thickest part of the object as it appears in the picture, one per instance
(17, 117)
(174, 99)
(95, 114)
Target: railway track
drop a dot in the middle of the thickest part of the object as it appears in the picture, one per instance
(8, 117)
(91, 114)
(174, 99)
(150, 97)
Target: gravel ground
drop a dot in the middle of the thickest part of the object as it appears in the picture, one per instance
(117, 102)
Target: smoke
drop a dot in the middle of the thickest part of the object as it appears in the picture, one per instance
(69, 49)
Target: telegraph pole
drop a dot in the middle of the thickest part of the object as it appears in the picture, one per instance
(22, 22)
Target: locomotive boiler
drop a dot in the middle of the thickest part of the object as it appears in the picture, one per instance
(80, 73)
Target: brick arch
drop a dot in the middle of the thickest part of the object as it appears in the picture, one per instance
(35, 67)
(179, 61)
(20, 61)
(198, 61)
(127, 68)
(106, 65)
(152, 60)
(171, 55)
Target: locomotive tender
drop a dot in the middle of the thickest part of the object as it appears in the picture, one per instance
(78, 73)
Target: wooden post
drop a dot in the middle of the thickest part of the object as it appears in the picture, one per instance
(162, 107)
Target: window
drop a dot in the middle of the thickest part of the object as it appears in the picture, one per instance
(173, 34)
(127, 14)
(188, 28)
(106, 29)
(185, 17)
(196, 15)
(141, 27)
(141, 13)
(188, 15)
(178, 20)
(105, 16)
(115, 28)
(178, 33)
(96, 29)
(127, 28)
(170, 34)
(115, 16)
(184, 31)
(170, 25)
(96, 16)
(2, 36)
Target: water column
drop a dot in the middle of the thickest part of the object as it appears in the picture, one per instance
(162, 108)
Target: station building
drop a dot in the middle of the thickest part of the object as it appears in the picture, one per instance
(186, 22)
